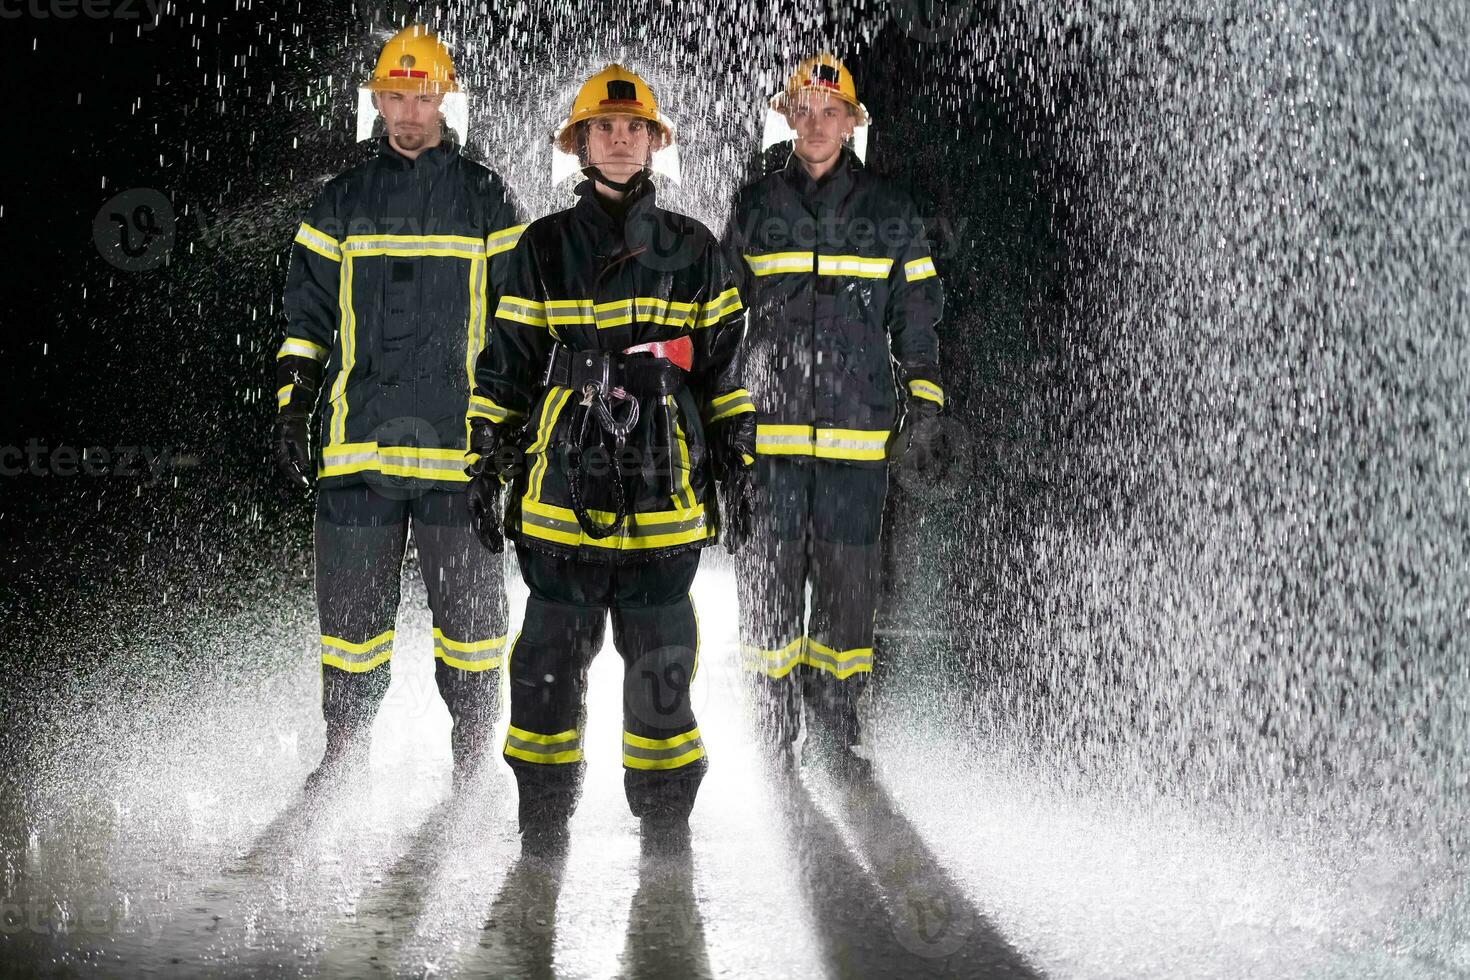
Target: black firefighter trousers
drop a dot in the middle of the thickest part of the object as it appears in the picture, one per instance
(361, 532)
(818, 526)
(655, 633)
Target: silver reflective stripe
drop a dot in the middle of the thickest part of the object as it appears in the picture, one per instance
(794, 439)
(659, 755)
(342, 459)
(538, 748)
(421, 462)
(330, 650)
(551, 523)
(863, 659)
(829, 442)
(399, 247)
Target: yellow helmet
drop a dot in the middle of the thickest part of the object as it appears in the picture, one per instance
(823, 73)
(613, 90)
(414, 60)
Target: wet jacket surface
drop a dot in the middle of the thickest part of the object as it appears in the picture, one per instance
(593, 282)
(843, 299)
(389, 291)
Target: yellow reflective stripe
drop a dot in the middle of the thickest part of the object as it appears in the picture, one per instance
(475, 655)
(485, 408)
(737, 402)
(823, 443)
(684, 493)
(521, 310)
(347, 334)
(662, 753)
(720, 307)
(549, 414)
(853, 265)
(920, 269)
(927, 390)
(856, 444)
(408, 461)
(544, 749)
(780, 263)
(297, 347)
(283, 396)
(783, 440)
(839, 663)
(356, 658)
(319, 242)
(772, 663)
(408, 246)
(475, 341)
(650, 529)
(503, 240)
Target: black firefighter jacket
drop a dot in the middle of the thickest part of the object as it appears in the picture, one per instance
(841, 289)
(582, 278)
(389, 290)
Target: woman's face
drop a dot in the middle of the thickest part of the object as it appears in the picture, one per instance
(619, 145)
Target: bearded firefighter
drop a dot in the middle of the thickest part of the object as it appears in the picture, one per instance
(386, 303)
(609, 399)
(844, 299)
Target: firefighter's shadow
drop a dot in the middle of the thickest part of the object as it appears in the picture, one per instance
(895, 912)
(665, 928)
(519, 937)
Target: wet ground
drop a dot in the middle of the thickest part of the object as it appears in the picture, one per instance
(164, 835)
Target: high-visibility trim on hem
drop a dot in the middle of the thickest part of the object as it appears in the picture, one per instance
(406, 461)
(357, 658)
(644, 753)
(823, 443)
(772, 663)
(475, 655)
(781, 263)
(642, 531)
(839, 663)
(554, 749)
(856, 266)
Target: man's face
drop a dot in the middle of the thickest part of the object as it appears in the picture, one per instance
(821, 122)
(619, 145)
(411, 118)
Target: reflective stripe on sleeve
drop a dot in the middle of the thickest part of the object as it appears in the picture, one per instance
(298, 347)
(720, 307)
(527, 311)
(920, 269)
(484, 408)
(283, 396)
(737, 402)
(503, 240)
(927, 390)
(319, 242)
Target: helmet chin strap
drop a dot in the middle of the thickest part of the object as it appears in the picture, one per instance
(622, 187)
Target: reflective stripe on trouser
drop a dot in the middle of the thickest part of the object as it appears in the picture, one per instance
(654, 631)
(817, 523)
(360, 541)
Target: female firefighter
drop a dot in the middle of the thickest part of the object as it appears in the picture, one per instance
(609, 398)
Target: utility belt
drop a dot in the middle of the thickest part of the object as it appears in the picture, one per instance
(611, 384)
(609, 371)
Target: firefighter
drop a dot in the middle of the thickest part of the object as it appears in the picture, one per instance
(609, 395)
(844, 298)
(386, 303)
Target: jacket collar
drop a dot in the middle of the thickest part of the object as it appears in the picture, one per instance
(836, 180)
(588, 208)
(434, 158)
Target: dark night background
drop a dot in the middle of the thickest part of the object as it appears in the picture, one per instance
(181, 356)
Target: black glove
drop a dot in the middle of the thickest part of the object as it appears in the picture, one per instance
(734, 466)
(291, 440)
(496, 464)
(921, 445)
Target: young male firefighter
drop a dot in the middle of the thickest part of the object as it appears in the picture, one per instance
(386, 302)
(613, 362)
(843, 298)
